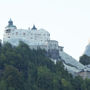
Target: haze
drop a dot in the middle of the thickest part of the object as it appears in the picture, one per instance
(68, 21)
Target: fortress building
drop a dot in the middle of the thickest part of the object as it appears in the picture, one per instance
(33, 37)
(40, 39)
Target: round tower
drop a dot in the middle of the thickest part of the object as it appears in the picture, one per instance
(10, 25)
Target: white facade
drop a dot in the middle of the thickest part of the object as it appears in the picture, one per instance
(53, 44)
(32, 37)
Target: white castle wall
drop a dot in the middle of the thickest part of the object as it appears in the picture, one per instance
(53, 44)
(33, 37)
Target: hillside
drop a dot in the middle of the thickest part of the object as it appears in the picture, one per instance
(25, 69)
(71, 64)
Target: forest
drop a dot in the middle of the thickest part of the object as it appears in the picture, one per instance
(24, 69)
(85, 60)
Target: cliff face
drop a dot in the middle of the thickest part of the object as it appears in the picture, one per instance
(87, 50)
(71, 64)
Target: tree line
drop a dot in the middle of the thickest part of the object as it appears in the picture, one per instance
(24, 69)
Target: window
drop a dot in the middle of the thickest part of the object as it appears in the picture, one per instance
(23, 33)
(48, 34)
(39, 34)
(16, 33)
(8, 30)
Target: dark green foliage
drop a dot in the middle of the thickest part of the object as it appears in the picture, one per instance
(25, 69)
(85, 60)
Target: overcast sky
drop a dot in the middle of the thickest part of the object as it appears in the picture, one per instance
(68, 21)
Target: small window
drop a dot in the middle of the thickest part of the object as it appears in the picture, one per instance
(48, 34)
(8, 30)
(23, 33)
(16, 33)
(39, 34)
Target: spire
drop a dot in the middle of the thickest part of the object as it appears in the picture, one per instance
(10, 22)
(34, 27)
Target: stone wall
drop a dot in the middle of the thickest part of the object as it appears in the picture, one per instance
(53, 53)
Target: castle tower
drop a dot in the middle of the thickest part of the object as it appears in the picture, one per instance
(10, 25)
(32, 37)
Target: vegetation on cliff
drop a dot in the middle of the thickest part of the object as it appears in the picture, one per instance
(25, 69)
(85, 60)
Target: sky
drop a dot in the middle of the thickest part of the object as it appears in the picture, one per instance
(68, 21)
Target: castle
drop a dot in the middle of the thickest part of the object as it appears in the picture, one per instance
(40, 39)
(33, 37)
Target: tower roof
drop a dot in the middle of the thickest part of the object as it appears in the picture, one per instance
(10, 23)
(34, 27)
